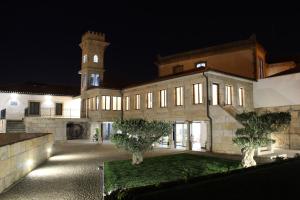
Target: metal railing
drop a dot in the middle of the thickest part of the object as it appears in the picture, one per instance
(52, 113)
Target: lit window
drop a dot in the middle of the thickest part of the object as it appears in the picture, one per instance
(149, 100)
(201, 65)
(163, 98)
(97, 103)
(96, 59)
(179, 96)
(116, 103)
(215, 94)
(197, 91)
(137, 102)
(105, 102)
(127, 103)
(241, 96)
(228, 95)
(94, 80)
(84, 59)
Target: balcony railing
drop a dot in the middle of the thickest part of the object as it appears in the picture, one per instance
(51, 113)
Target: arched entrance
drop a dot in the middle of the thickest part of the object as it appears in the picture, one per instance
(74, 131)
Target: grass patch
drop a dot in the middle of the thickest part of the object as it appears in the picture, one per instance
(153, 171)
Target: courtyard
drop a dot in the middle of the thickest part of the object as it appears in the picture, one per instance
(71, 173)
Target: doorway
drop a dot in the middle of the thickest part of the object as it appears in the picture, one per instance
(74, 131)
(106, 130)
(180, 135)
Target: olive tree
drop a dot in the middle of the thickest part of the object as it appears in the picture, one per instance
(257, 132)
(137, 136)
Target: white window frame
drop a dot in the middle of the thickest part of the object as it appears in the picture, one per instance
(228, 94)
(116, 103)
(179, 96)
(84, 58)
(197, 93)
(95, 58)
(241, 92)
(163, 98)
(137, 105)
(150, 100)
(105, 102)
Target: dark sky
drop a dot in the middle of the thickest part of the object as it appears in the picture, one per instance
(39, 43)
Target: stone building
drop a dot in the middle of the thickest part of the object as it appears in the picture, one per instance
(199, 91)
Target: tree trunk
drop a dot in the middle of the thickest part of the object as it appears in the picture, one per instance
(248, 160)
(137, 158)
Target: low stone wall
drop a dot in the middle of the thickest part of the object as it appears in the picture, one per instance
(290, 138)
(2, 125)
(20, 153)
(57, 126)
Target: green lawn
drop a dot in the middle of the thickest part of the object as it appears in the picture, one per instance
(122, 174)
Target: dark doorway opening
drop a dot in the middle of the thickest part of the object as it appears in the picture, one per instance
(74, 131)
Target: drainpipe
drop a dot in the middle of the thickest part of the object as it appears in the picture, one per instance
(208, 114)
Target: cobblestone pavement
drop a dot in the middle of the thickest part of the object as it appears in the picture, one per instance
(71, 173)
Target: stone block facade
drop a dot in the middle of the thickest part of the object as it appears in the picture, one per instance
(289, 138)
(18, 159)
(57, 126)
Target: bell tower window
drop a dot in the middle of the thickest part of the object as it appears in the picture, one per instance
(94, 80)
(84, 59)
(96, 59)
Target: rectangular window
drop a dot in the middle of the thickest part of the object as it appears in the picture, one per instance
(201, 64)
(241, 97)
(58, 108)
(94, 80)
(163, 98)
(137, 101)
(228, 94)
(179, 96)
(34, 108)
(215, 94)
(261, 68)
(97, 103)
(149, 100)
(177, 69)
(197, 91)
(127, 103)
(116, 103)
(105, 102)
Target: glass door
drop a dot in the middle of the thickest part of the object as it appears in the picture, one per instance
(196, 136)
(181, 134)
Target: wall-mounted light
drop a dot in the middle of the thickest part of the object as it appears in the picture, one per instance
(49, 150)
(13, 96)
(48, 100)
(29, 162)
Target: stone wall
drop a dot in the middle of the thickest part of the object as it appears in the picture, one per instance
(57, 126)
(18, 159)
(224, 127)
(2, 125)
(188, 111)
(290, 138)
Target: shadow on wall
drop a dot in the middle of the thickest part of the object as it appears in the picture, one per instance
(75, 131)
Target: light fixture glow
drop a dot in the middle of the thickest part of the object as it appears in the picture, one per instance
(29, 162)
(49, 150)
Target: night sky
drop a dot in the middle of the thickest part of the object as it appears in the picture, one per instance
(39, 43)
